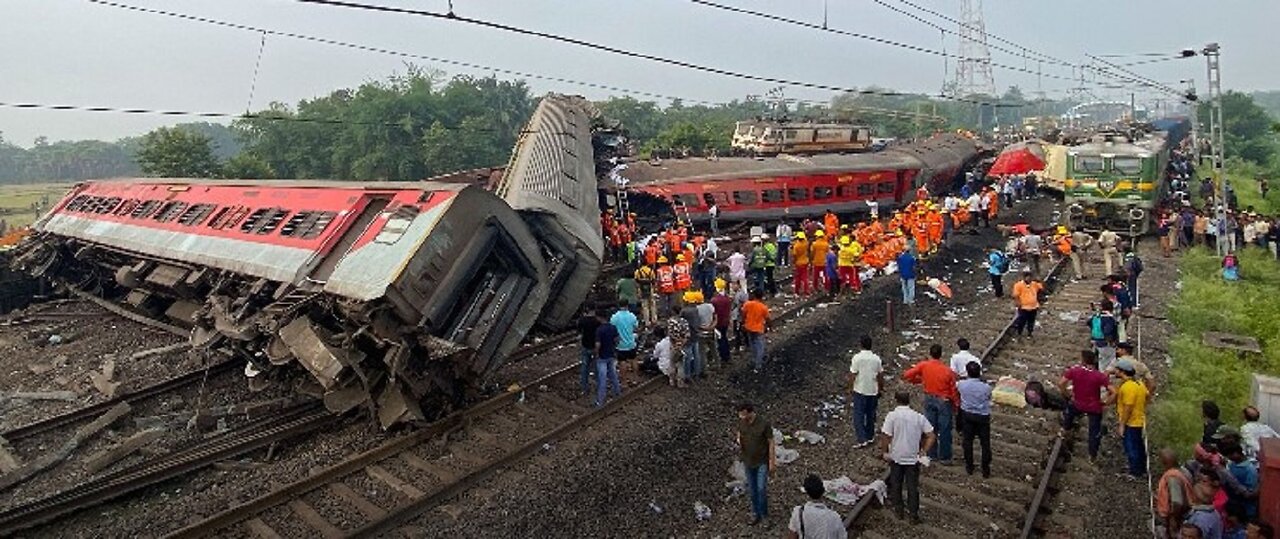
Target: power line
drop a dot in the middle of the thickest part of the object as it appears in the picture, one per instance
(269, 116)
(623, 52)
(447, 61)
(915, 48)
(1044, 57)
(946, 30)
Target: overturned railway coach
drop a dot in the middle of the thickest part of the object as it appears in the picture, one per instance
(394, 296)
(796, 187)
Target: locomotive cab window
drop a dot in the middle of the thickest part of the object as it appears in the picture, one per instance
(822, 192)
(1127, 165)
(798, 194)
(771, 196)
(1090, 164)
(745, 198)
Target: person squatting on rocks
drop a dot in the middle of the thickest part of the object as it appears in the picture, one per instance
(813, 519)
(865, 370)
(940, 401)
(759, 458)
(908, 438)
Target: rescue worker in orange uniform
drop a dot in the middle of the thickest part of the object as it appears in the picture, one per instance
(651, 252)
(933, 221)
(818, 259)
(993, 204)
(831, 224)
(920, 233)
(666, 285)
(800, 257)
(684, 274)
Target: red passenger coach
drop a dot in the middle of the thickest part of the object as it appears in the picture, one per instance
(397, 296)
(797, 187)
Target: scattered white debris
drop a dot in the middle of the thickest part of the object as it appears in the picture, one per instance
(1070, 316)
(655, 508)
(701, 511)
(811, 438)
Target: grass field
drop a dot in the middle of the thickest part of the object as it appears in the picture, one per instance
(16, 201)
(1208, 303)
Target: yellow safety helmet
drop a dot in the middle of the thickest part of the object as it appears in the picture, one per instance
(844, 226)
(818, 234)
(693, 297)
(845, 241)
(679, 258)
(662, 260)
(799, 235)
(721, 284)
(1062, 229)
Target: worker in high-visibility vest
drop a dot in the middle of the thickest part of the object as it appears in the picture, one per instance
(933, 222)
(684, 273)
(757, 263)
(645, 280)
(770, 265)
(666, 285)
(847, 264)
(818, 258)
(800, 258)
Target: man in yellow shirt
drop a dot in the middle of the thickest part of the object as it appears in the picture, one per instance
(1131, 406)
(1026, 298)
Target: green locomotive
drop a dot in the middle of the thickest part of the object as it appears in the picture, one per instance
(1115, 179)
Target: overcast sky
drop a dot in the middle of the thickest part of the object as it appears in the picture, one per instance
(79, 53)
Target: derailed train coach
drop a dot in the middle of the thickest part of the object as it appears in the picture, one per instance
(551, 182)
(396, 296)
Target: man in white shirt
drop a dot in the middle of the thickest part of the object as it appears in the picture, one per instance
(1252, 430)
(864, 376)
(663, 355)
(962, 358)
(975, 208)
(738, 268)
(951, 203)
(873, 207)
(814, 520)
(907, 439)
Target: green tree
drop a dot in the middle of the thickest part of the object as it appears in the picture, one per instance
(177, 153)
(247, 166)
(1246, 128)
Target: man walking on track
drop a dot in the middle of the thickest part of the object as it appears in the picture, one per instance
(940, 401)
(1086, 386)
(1026, 298)
(1110, 243)
(908, 437)
(975, 416)
(606, 361)
(864, 375)
(1131, 407)
(998, 264)
(755, 440)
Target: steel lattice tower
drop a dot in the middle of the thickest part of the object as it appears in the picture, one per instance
(973, 74)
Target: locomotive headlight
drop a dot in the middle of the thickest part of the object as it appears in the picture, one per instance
(1137, 214)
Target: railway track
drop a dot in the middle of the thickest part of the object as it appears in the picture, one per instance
(382, 489)
(1028, 453)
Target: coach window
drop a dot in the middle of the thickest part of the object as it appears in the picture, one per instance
(844, 191)
(822, 192)
(771, 196)
(744, 198)
(686, 200)
(798, 194)
(866, 189)
(885, 187)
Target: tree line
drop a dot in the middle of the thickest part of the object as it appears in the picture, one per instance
(421, 124)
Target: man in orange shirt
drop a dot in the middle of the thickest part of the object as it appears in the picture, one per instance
(1026, 298)
(831, 223)
(755, 320)
(940, 401)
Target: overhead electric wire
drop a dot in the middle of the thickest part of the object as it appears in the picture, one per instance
(916, 48)
(1140, 77)
(1044, 57)
(946, 30)
(269, 116)
(458, 63)
(632, 54)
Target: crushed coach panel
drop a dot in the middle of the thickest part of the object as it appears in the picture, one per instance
(396, 296)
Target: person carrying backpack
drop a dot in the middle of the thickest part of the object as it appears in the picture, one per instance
(1104, 333)
(998, 265)
(1133, 268)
